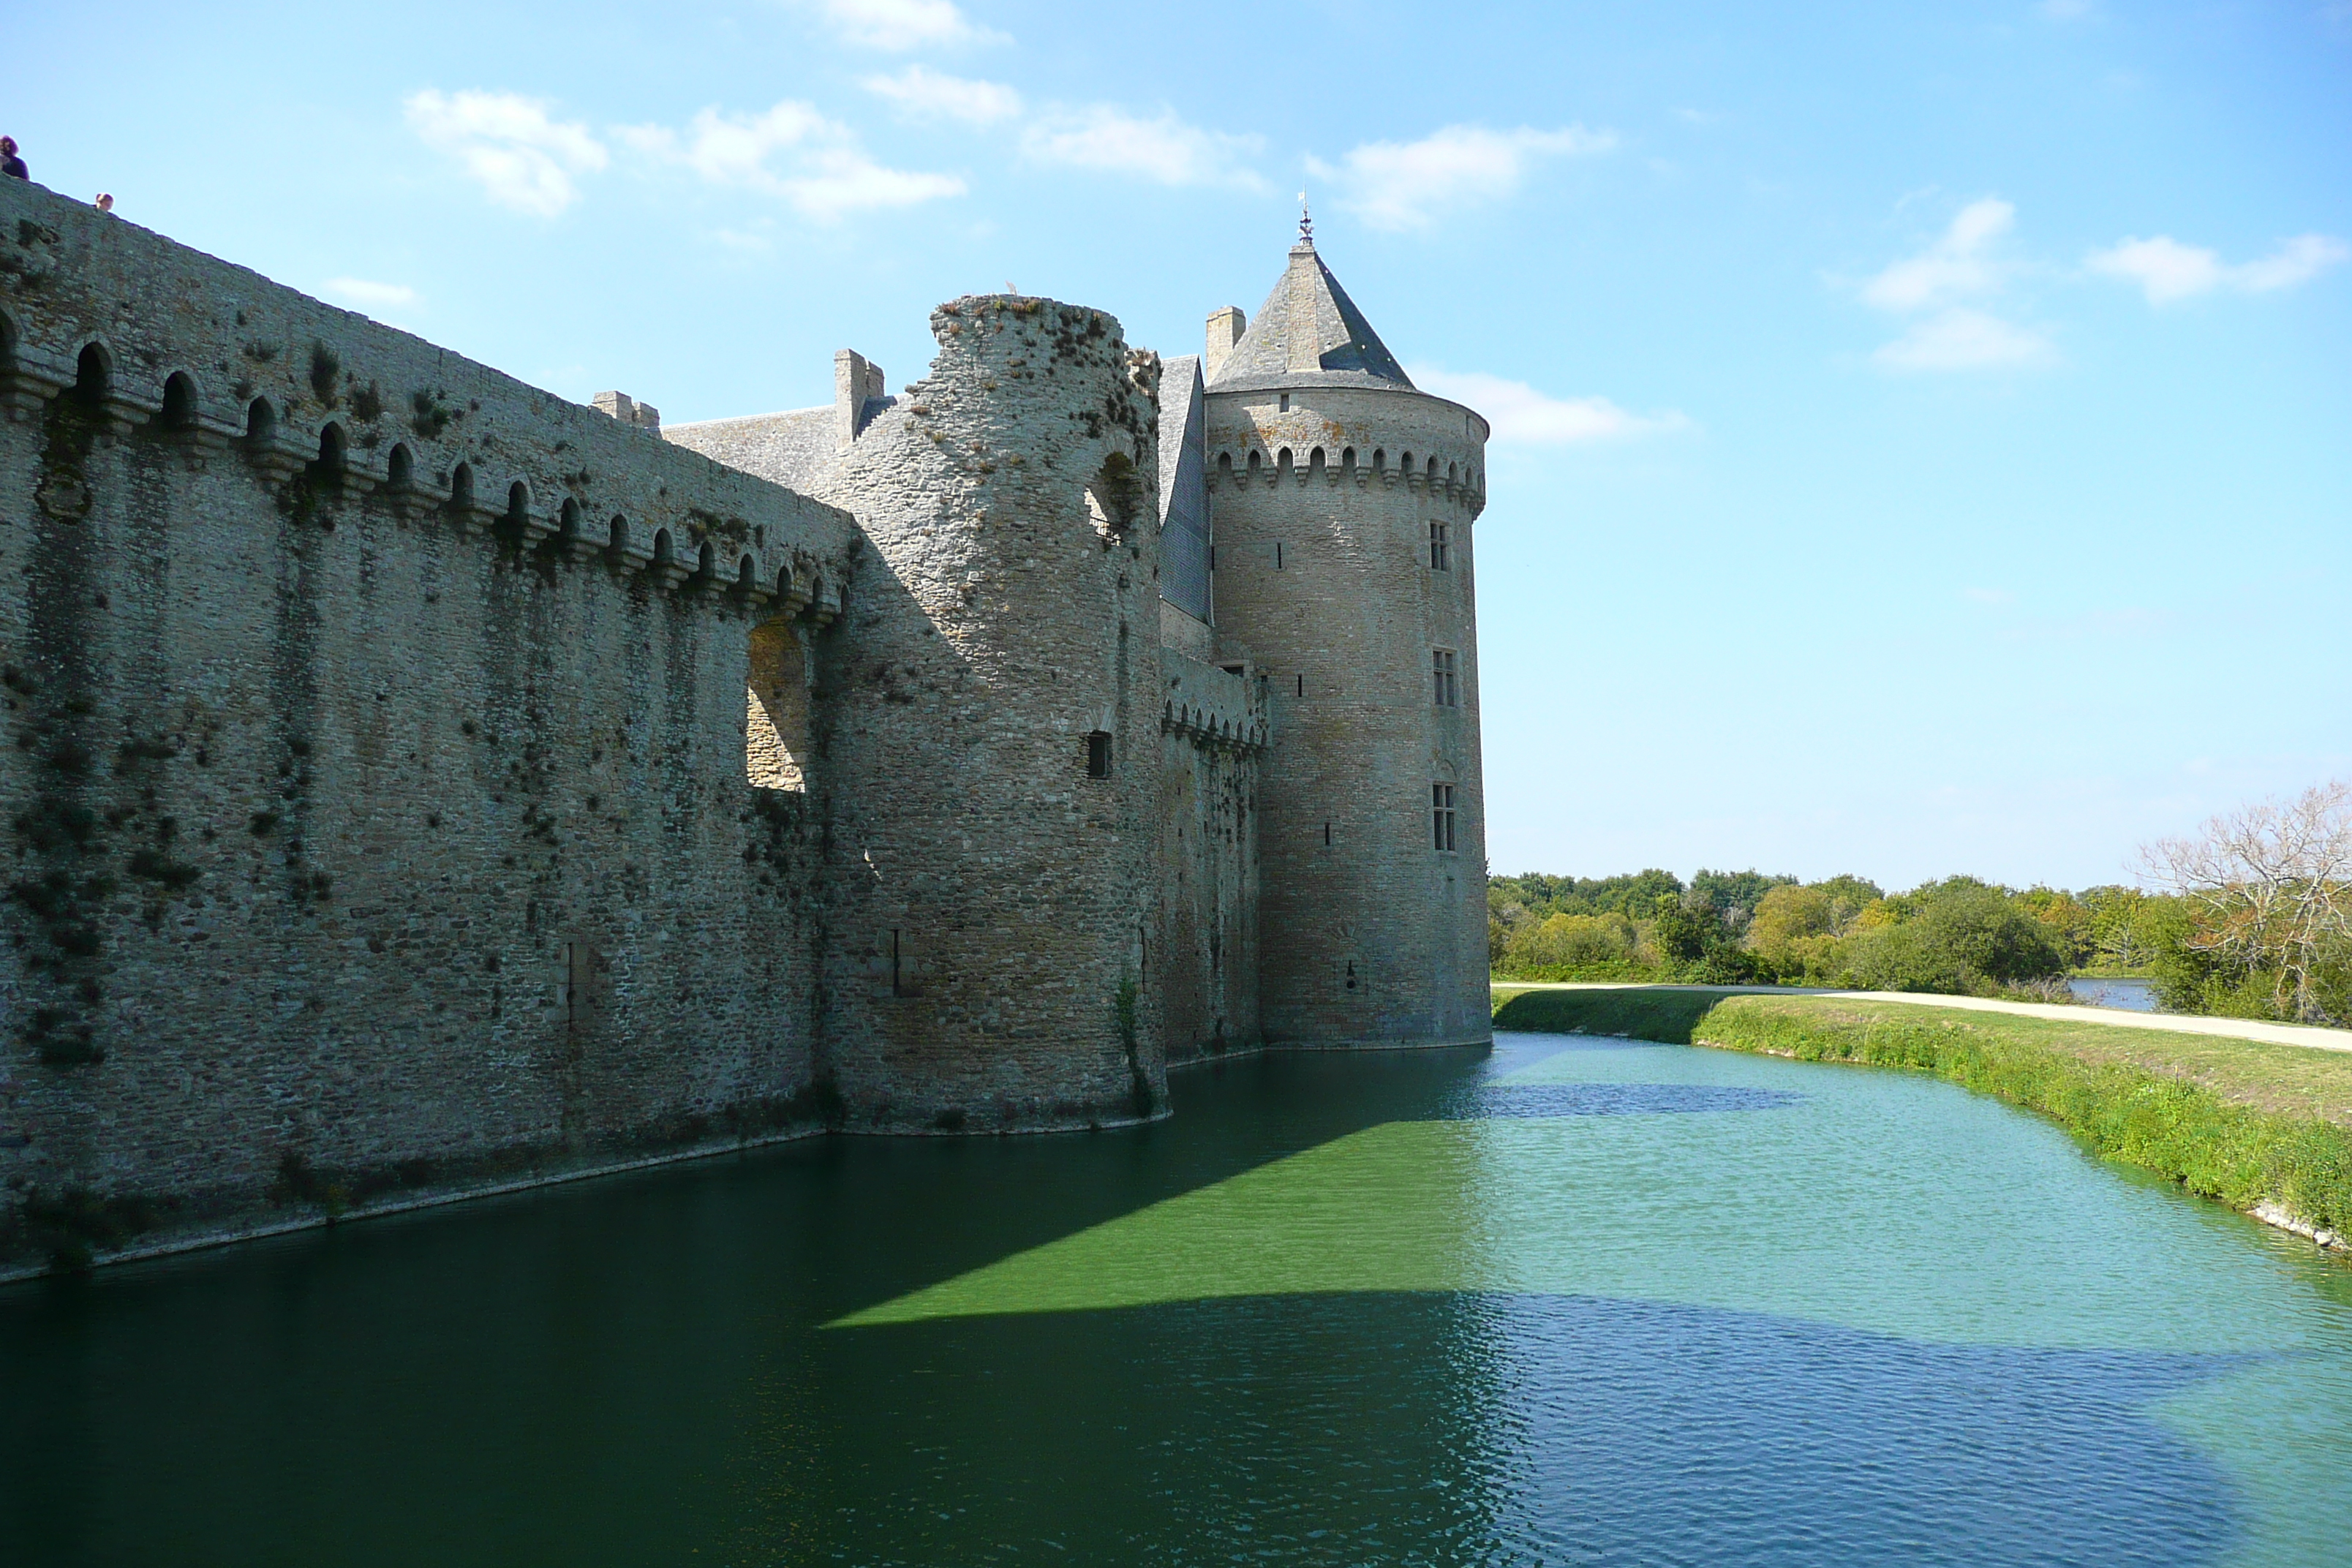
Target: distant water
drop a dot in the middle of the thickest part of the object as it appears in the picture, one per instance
(2131, 996)
(1570, 1301)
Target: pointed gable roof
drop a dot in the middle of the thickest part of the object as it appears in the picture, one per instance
(1309, 331)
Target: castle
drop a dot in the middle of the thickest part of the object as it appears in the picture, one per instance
(421, 783)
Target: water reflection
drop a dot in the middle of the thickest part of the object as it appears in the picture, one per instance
(1577, 1301)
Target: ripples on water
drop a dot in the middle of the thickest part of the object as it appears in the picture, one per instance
(1575, 1302)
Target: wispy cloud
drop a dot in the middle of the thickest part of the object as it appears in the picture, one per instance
(1964, 340)
(1962, 264)
(902, 24)
(2167, 270)
(790, 151)
(1164, 148)
(372, 295)
(511, 145)
(922, 93)
(1957, 263)
(1521, 416)
(1398, 186)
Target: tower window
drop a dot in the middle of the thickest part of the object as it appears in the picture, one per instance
(1437, 548)
(1286, 403)
(1448, 683)
(1441, 814)
(1098, 755)
(1327, 836)
(1278, 555)
(1302, 685)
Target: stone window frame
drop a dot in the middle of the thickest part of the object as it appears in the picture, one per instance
(1440, 548)
(1440, 815)
(1446, 673)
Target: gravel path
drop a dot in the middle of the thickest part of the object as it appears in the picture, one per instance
(2241, 1028)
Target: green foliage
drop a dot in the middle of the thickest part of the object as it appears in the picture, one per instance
(2109, 1087)
(72, 1225)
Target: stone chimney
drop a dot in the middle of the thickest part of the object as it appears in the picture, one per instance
(859, 389)
(628, 410)
(1225, 330)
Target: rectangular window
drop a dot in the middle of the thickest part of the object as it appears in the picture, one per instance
(1327, 836)
(1449, 683)
(1098, 755)
(1441, 814)
(1437, 548)
(1278, 555)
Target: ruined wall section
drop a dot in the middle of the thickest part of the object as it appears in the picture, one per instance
(1213, 726)
(996, 899)
(1329, 500)
(376, 805)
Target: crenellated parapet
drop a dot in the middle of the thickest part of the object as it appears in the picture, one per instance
(167, 345)
(1213, 706)
(1425, 447)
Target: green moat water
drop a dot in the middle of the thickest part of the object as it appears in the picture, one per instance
(1572, 1302)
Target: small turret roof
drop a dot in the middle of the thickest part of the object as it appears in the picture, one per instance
(1309, 333)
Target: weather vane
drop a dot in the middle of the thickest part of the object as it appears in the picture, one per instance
(1305, 219)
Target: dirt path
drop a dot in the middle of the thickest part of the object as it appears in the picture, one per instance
(2239, 1028)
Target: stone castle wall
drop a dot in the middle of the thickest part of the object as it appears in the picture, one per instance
(1213, 733)
(377, 802)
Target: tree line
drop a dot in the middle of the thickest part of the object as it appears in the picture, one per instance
(2249, 917)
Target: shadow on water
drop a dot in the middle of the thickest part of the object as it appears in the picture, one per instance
(1483, 1428)
(635, 1371)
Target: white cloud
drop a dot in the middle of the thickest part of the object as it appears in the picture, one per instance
(1406, 184)
(2167, 270)
(1103, 136)
(1959, 265)
(521, 157)
(922, 93)
(790, 151)
(1521, 416)
(1955, 264)
(1960, 339)
(900, 25)
(362, 291)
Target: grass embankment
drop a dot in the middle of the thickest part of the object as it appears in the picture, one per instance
(2244, 1122)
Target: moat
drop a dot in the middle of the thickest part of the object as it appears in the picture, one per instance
(1570, 1302)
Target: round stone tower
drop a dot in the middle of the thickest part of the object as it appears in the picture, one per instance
(1341, 499)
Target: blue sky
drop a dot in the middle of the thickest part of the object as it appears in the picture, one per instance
(1924, 432)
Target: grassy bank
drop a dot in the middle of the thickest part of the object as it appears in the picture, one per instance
(2244, 1122)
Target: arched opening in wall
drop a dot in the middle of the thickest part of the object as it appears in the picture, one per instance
(179, 403)
(7, 339)
(518, 506)
(1256, 462)
(618, 540)
(461, 489)
(1282, 464)
(1432, 475)
(706, 562)
(93, 375)
(327, 471)
(261, 421)
(1315, 463)
(775, 737)
(783, 584)
(1225, 467)
(747, 574)
(1114, 495)
(1449, 475)
(665, 552)
(400, 468)
(567, 525)
(1348, 459)
(1404, 468)
(1380, 462)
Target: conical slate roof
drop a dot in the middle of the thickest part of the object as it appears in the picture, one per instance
(1308, 332)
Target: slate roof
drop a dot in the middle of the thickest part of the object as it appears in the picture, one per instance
(1308, 332)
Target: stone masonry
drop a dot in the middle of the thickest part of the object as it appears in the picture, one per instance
(422, 783)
